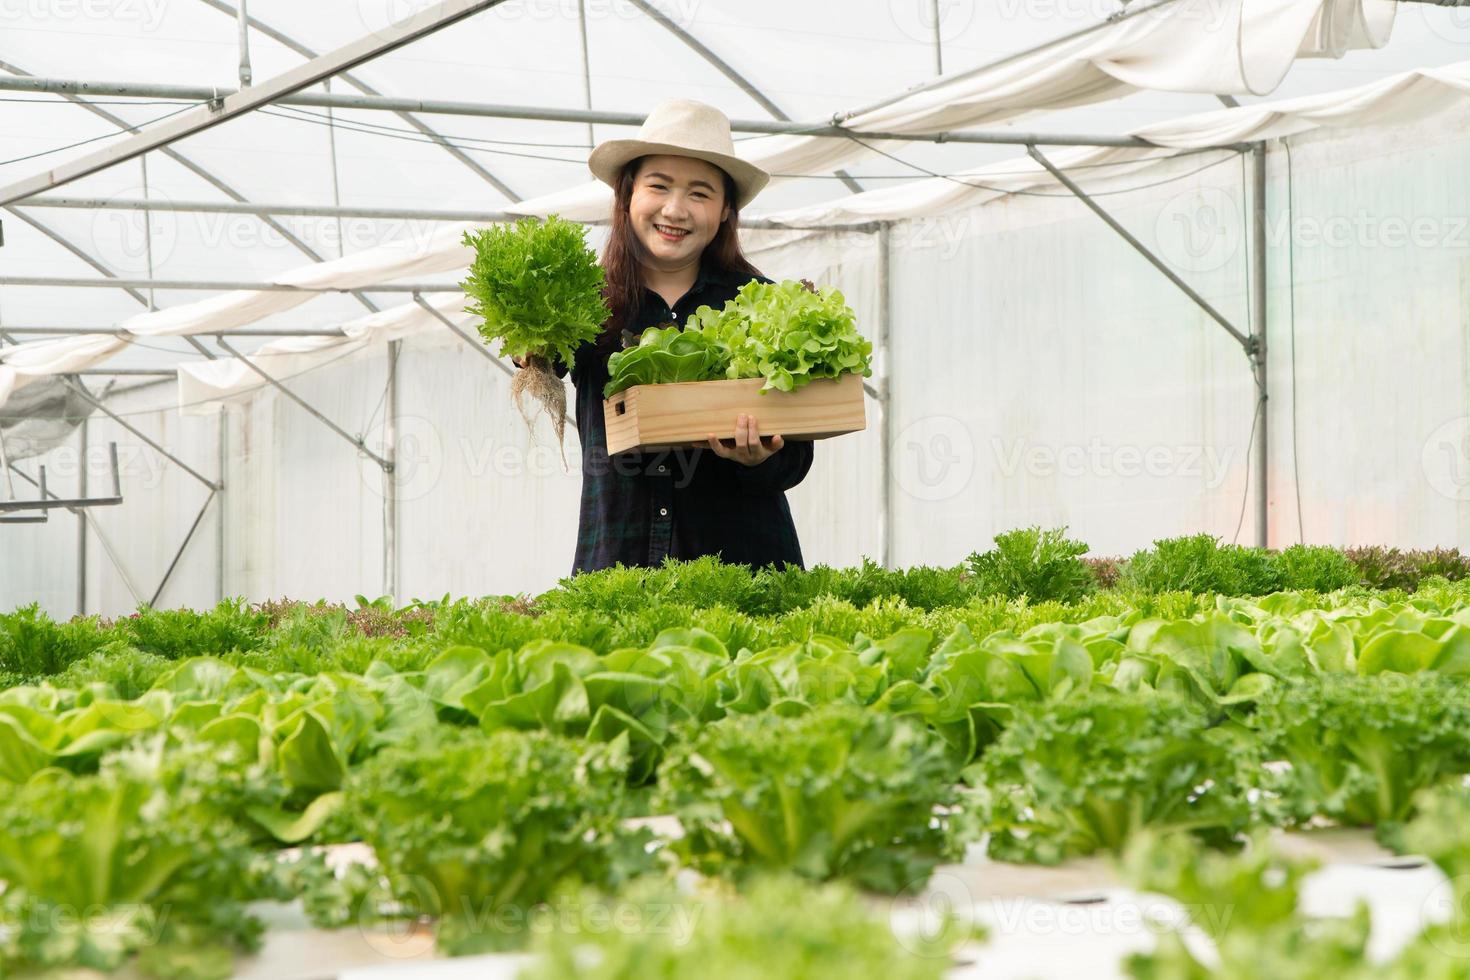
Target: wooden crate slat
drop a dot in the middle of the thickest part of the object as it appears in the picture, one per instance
(684, 413)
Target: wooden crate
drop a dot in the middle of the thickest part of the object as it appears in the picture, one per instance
(684, 413)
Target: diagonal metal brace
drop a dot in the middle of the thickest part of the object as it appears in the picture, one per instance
(97, 404)
(1246, 342)
(183, 546)
(459, 332)
(91, 522)
(387, 465)
(484, 351)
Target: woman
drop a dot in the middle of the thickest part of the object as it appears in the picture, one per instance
(673, 247)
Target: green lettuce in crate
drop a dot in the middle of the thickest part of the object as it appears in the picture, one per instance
(789, 333)
(539, 290)
(665, 355)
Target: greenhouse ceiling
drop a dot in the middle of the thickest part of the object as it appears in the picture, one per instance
(344, 180)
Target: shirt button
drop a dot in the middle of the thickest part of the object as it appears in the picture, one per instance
(663, 512)
(663, 469)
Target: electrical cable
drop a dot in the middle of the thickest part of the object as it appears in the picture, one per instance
(94, 139)
(388, 133)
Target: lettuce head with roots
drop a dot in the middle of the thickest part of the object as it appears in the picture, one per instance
(539, 291)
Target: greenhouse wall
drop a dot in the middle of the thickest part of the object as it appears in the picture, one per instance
(1043, 374)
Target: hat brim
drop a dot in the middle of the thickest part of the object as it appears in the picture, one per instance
(607, 161)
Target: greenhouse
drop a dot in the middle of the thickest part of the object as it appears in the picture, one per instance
(551, 488)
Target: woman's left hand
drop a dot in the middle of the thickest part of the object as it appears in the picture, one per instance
(749, 449)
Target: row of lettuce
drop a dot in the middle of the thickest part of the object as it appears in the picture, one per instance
(1031, 576)
(493, 762)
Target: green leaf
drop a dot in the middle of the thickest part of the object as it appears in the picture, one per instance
(293, 828)
(307, 758)
(1398, 650)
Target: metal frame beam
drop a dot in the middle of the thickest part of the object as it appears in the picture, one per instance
(183, 545)
(218, 110)
(128, 372)
(82, 331)
(1243, 339)
(49, 500)
(256, 207)
(215, 285)
(356, 441)
(330, 211)
(767, 127)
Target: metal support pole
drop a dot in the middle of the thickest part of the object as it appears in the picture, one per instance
(586, 68)
(81, 520)
(1142, 249)
(355, 440)
(1260, 319)
(390, 486)
(332, 156)
(219, 569)
(178, 554)
(97, 404)
(885, 396)
(243, 20)
(938, 41)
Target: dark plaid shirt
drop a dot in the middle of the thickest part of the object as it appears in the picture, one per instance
(640, 508)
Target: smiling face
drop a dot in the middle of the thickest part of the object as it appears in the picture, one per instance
(677, 206)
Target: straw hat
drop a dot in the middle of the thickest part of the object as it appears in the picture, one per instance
(685, 128)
